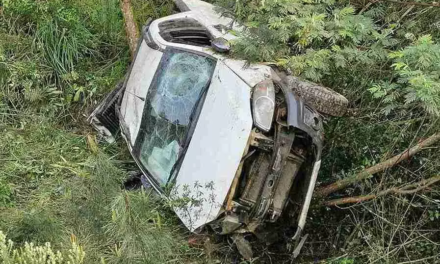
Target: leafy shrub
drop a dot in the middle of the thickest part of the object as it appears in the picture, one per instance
(332, 42)
(417, 75)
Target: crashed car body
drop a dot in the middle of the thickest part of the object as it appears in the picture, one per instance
(232, 139)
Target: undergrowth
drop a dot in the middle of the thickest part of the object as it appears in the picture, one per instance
(57, 59)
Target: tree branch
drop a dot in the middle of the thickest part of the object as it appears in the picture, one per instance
(411, 3)
(408, 189)
(434, 4)
(341, 184)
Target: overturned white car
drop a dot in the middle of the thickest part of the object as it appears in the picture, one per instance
(239, 145)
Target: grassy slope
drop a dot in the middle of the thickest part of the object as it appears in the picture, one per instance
(52, 186)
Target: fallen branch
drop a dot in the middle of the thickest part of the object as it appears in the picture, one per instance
(341, 184)
(130, 26)
(435, 4)
(412, 4)
(408, 189)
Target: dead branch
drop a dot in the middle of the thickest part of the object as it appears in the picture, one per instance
(130, 26)
(433, 4)
(408, 189)
(411, 3)
(367, 6)
(341, 184)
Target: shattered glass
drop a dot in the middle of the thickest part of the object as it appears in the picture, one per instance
(171, 101)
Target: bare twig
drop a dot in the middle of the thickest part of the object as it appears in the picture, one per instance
(341, 184)
(407, 189)
(130, 26)
(405, 14)
(433, 4)
(367, 6)
(411, 3)
(420, 260)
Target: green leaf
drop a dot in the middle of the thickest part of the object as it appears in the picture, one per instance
(78, 94)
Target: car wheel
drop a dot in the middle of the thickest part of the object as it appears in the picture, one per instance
(323, 99)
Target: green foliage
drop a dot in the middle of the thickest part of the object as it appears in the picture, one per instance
(332, 42)
(143, 228)
(343, 261)
(26, 165)
(50, 48)
(34, 254)
(5, 195)
(39, 226)
(153, 9)
(62, 49)
(315, 32)
(417, 77)
(60, 188)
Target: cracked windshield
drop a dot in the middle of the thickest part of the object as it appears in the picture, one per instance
(171, 100)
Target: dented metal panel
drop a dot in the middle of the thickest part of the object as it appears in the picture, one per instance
(216, 148)
(138, 83)
(251, 74)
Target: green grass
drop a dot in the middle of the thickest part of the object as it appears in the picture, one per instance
(57, 59)
(58, 188)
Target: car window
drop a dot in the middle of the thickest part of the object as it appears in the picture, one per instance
(180, 81)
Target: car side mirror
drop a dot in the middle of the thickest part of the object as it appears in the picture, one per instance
(221, 45)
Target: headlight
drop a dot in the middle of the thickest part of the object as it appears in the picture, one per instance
(263, 104)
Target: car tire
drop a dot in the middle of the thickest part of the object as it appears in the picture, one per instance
(323, 99)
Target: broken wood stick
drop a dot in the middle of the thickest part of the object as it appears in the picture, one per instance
(434, 4)
(341, 184)
(408, 189)
(130, 26)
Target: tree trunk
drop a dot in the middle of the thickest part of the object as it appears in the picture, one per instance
(341, 184)
(130, 26)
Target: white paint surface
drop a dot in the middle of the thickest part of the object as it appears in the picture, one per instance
(251, 74)
(138, 83)
(216, 148)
